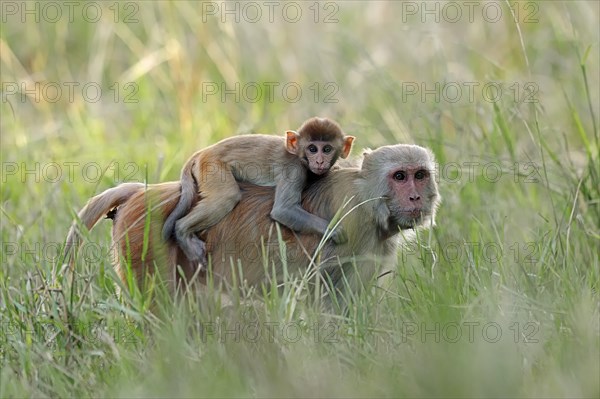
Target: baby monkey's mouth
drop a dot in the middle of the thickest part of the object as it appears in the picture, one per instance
(320, 171)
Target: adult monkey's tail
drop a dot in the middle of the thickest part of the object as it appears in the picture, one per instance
(98, 206)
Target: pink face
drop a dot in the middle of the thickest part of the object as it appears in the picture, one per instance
(412, 194)
(320, 156)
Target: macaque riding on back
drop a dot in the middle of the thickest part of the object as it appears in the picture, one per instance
(283, 162)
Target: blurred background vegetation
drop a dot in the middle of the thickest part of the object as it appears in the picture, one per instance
(505, 93)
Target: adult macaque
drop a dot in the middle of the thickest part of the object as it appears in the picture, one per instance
(394, 190)
(285, 163)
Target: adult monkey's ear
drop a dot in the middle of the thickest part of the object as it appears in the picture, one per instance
(291, 142)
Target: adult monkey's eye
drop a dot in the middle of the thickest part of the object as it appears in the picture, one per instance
(400, 175)
(327, 149)
(421, 174)
(312, 148)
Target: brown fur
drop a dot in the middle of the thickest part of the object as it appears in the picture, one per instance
(234, 244)
(214, 173)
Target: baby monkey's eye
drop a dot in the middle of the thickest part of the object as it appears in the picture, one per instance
(312, 148)
(327, 149)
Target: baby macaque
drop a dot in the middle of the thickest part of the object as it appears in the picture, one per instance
(264, 160)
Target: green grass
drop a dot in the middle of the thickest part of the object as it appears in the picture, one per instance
(500, 299)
